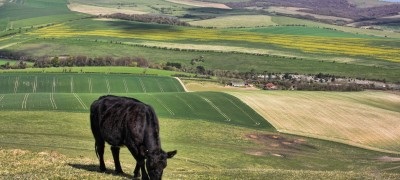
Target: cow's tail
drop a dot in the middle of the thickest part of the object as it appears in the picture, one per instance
(95, 149)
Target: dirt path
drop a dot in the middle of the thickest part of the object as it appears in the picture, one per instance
(200, 4)
(97, 10)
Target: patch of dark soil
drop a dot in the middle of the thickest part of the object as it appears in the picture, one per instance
(277, 145)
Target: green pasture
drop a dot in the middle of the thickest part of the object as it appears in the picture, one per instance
(60, 145)
(76, 92)
(85, 83)
(306, 31)
(361, 68)
(235, 21)
(215, 107)
(302, 42)
(24, 14)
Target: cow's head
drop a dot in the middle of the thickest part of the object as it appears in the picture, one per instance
(157, 161)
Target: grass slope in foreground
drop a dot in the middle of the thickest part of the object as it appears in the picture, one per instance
(206, 150)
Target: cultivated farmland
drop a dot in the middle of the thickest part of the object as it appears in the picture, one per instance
(365, 119)
(86, 83)
(295, 39)
(75, 92)
(240, 134)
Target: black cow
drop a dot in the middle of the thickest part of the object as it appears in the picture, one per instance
(126, 121)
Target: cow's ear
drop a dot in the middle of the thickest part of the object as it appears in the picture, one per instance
(171, 154)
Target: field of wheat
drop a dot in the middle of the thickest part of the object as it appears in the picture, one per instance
(365, 119)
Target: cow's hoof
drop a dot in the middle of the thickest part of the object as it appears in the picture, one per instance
(102, 169)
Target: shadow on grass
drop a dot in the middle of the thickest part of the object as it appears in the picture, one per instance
(95, 168)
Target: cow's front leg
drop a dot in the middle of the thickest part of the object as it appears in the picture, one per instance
(115, 153)
(141, 164)
(136, 172)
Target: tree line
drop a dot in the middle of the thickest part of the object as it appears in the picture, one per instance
(81, 61)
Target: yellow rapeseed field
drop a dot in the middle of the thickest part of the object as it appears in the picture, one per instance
(340, 46)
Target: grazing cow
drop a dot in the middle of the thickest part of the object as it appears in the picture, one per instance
(126, 121)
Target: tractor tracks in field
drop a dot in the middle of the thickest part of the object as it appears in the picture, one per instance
(24, 101)
(52, 101)
(80, 101)
(216, 108)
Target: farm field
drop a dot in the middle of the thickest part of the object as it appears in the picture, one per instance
(354, 46)
(75, 92)
(28, 14)
(15, 83)
(333, 49)
(235, 21)
(365, 119)
(220, 132)
(216, 107)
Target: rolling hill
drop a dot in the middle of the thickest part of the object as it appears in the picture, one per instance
(220, 132)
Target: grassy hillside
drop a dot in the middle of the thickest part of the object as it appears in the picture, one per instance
(86, 83)
(44, 117)
(216, 107)
(315, 47)
(307, 41)
(206, 150)
(75, 92)
(26, 14)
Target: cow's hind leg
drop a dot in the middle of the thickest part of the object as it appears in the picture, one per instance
(100, 153)
(115, 153)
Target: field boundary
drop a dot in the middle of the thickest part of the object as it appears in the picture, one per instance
(183, 85)
(200, 4)
(98, 10)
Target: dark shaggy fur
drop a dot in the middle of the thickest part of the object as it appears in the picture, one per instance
(123, 121)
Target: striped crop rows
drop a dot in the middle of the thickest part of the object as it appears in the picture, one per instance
(75, 93)
(77, 83)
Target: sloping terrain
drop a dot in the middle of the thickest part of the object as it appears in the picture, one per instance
(365, 119)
